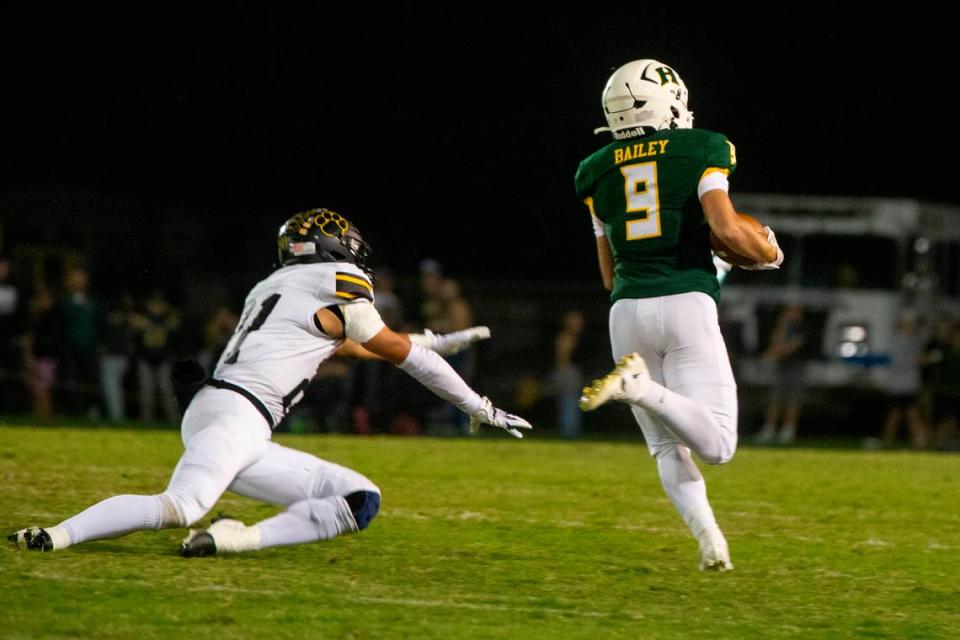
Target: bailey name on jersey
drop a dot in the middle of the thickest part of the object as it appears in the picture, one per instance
(640, 150)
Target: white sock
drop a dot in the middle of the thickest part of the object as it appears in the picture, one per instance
(686, 489)
(59, 536)
(232, 536)
(112, 518)
(692, 422)
(307, 521)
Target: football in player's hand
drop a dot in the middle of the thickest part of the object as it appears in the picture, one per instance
(726, 253)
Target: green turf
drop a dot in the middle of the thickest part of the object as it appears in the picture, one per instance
(496, 538)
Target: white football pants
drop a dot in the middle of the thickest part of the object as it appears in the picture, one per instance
(679, 338)
(228, 446)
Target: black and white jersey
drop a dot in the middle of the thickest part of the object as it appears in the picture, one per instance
(277, 346)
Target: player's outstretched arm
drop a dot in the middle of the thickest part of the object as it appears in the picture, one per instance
(446, 344)
(735, 233)
(362, 324)
(436, 374)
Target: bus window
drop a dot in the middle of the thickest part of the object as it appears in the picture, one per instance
(849, 262)
(946, 264)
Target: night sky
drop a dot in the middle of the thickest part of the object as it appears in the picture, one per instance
(419, 122)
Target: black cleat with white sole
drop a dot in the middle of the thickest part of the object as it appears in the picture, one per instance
(197, 545)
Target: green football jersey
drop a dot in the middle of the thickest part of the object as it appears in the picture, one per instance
(644, 190)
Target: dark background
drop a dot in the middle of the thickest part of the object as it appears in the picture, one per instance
(174, 141)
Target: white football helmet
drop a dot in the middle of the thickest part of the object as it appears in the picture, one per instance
(645, 95)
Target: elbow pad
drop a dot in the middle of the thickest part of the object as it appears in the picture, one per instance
(361, 321)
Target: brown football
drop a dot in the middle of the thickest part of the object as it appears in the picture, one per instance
(731, 256)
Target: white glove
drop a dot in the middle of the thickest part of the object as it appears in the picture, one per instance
(489, 414)
(447, 344)
(763, 266)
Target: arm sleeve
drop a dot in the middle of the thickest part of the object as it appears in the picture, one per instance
(436, 374)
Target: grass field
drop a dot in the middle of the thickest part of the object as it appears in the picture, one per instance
(497, 538)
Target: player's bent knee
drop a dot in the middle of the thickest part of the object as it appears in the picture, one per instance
(187, 509)
(171, 515)
(716, 460)
(722, 455)
(727, 455)
(365, 505)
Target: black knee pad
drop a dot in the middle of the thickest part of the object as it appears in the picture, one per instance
(364, 505)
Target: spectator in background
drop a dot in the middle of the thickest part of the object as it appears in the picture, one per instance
(11, 326)
(40, 347)
(80, 319)
(454, 314)
(379, 380)
(904, 387)
(217, 332)
(119, 349)
(431, 277)
(567, 376)
(326, 402)
(157, 326)
(387, 301)
(945, 356)
(423, 407)
(933, 363)
(786, 393)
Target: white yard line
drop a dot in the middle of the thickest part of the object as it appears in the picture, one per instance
(403, 602)
(481, 606)
(480, 516)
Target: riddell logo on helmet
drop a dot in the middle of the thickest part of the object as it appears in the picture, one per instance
(626, 134)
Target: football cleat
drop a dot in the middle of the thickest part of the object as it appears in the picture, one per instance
(714, 555)
(225, 535)
(627, 382)
(32, 538)
(197, 544)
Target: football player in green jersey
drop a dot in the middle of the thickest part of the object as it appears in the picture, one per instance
(654, 195)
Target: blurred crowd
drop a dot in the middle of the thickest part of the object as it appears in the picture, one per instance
(922, 390)
(926, 395)
(65, 351)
